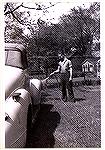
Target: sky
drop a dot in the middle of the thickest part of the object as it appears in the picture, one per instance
(56, 11)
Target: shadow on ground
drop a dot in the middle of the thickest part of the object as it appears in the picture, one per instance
(44, 96)
(43, 130)
(79, 99)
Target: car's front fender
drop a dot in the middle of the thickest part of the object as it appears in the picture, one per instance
(16, 121)
(35, 90)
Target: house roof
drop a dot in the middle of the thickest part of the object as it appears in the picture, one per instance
(90, 60)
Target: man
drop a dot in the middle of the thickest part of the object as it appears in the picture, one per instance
(65, 70)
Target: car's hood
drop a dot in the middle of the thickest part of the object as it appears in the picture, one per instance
(14, 78)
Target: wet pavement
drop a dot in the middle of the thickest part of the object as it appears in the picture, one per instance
(68, 124)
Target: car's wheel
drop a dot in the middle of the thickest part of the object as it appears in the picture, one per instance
(36, 110)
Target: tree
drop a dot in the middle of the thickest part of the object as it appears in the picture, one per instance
(14, 17)
(80, 27)
(14, 24)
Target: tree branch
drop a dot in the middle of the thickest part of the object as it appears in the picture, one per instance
(6, 7)
(12, 11)
(8, 12)
(20, 21)
(39, 7)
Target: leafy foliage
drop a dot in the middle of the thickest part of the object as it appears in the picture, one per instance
(78, 29)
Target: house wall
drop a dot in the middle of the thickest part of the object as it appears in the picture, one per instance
(88, 67)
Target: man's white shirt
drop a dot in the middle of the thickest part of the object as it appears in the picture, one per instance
(65, 65)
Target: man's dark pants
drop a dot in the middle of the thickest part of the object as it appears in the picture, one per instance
(66, 85)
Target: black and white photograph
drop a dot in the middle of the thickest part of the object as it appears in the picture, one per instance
(52, 74)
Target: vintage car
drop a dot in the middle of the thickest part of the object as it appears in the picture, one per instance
(22, 96)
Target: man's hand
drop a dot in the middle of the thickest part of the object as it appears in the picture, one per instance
(70, 78)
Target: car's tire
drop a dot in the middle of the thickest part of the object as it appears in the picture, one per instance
(29, 119)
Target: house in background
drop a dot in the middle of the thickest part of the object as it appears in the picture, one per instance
(88, 66)
(91, 67)
(84, 63)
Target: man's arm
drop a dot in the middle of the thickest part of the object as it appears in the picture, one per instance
(56, 71)
(70, 71)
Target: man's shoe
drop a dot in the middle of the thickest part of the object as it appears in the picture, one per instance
(73, 100)
(65, 99)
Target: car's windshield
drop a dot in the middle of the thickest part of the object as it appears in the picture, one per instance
(13, 58)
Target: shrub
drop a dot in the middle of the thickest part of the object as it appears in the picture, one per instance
(87, 82)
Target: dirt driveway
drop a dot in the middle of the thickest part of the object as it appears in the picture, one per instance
(67, 124)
